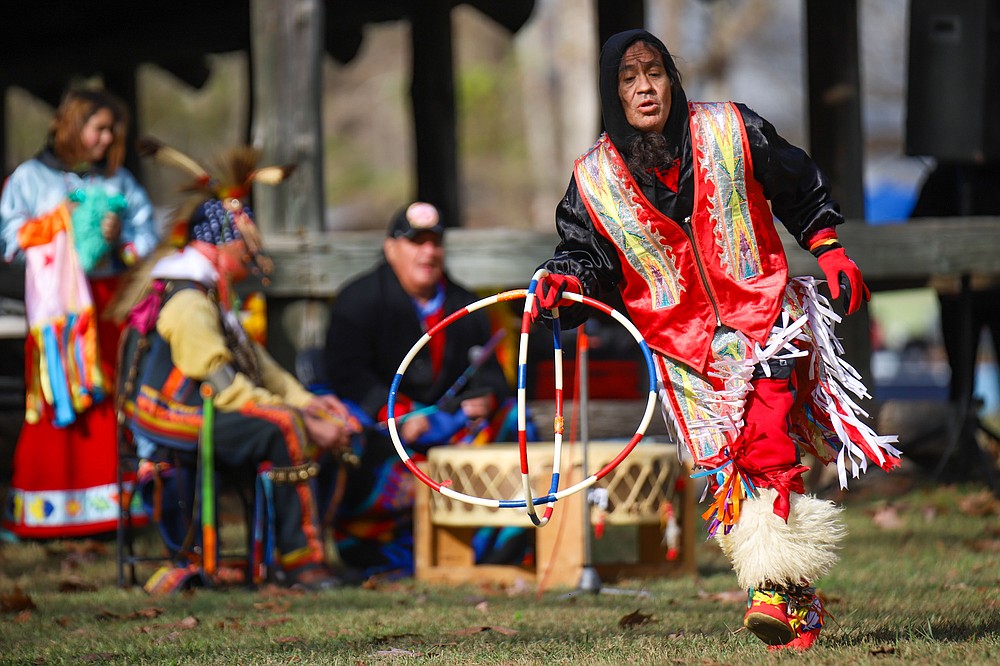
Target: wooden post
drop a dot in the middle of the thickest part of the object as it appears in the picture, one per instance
(286, 55)
(287, 84)
(835, 135)
(432, 91)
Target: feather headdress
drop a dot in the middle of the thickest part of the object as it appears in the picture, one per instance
(220, 190)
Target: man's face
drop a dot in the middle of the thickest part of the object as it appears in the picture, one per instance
(644, 88)
(417, 263)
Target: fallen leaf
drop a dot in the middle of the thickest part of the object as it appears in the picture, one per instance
(396, 652)
(634, 619)
(882, 650)
(980, 504)
(887, 518)
(99, 656)
(190, 622)
(22, 617)
(288, 639)
(986, 545)
(76, 584)
(483, 606)
(141, 614)
(272, 590)
(15, 601)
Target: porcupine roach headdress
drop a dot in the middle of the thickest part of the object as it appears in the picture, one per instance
(215, 212)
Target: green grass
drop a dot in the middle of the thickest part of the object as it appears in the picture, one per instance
(924, 591)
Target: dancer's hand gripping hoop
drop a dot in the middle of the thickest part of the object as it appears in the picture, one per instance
(529, 503)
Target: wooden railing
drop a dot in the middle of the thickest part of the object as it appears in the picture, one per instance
(891, 256)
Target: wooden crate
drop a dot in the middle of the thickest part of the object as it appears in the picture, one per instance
(637, 488)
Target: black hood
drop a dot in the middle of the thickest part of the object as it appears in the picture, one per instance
(617, 127)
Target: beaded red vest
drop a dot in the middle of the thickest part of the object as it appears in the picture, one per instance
(679, 287)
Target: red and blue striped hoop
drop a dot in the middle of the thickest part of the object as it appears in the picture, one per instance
(554, 494)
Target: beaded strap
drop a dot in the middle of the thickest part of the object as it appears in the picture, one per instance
(293, 474)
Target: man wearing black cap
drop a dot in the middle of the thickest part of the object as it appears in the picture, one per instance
(672, 209)
(379, 316)
(374, 322)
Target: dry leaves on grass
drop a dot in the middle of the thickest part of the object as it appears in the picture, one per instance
(190, 622)
(288, 639)
(635, 619)
(15, 601)
(76, 584)
(986, 545)
(141, 614)
(980, 504)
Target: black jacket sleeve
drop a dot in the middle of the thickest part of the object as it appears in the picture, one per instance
(583, 253)
(798, 191)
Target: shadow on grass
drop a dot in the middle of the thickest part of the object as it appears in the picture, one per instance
(918, 628)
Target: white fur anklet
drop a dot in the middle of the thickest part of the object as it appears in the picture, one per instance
(765, 549)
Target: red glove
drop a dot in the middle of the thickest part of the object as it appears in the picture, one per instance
(549, 292)
(840, 272)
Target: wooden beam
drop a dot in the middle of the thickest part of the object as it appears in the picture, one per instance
(891, 256)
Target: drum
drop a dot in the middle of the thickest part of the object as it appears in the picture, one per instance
(636, 488)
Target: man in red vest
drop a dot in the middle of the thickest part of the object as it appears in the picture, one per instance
(673, 208)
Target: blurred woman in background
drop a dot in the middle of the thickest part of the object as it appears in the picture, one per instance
(76, 219)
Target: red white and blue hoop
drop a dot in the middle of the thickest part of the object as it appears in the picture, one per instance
(529, 502)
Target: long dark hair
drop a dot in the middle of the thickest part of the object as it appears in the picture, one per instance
(642, 150)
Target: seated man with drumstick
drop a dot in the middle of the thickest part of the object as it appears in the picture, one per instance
(374, 322)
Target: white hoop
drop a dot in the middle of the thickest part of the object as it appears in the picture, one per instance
(554, 494)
